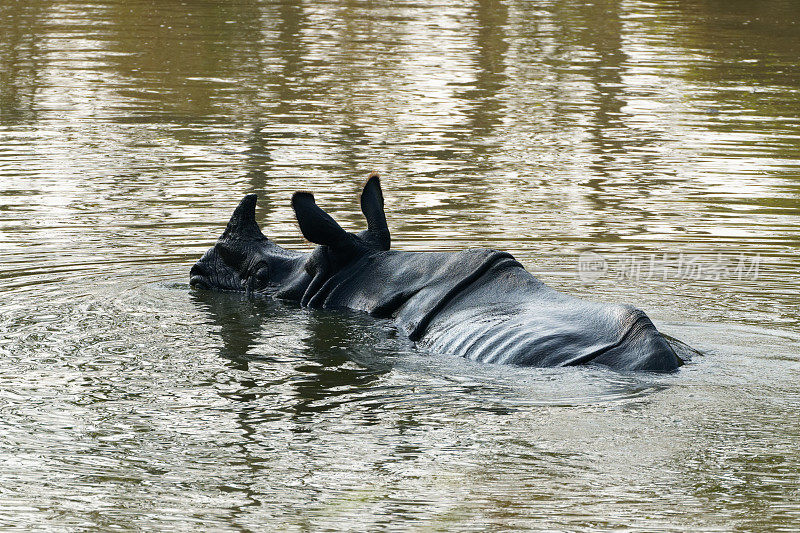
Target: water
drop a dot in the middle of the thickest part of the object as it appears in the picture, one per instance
(626, 129)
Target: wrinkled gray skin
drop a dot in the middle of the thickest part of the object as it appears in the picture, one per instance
(479, 304)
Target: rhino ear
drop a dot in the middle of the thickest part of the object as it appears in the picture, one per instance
(372, 207)
(242, 224)
(316, 225)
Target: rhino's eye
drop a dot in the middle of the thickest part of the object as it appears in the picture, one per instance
(262, 274)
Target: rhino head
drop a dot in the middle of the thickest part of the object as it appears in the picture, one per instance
(245, 260)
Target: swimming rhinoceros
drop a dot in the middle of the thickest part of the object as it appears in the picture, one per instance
(480, 304)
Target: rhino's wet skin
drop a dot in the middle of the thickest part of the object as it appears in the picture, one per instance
(478, 304)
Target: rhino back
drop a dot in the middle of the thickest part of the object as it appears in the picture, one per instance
(408, 286)
(509, 316)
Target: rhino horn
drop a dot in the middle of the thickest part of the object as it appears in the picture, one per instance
(242, 224)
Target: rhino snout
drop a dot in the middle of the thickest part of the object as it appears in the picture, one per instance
(198, 277)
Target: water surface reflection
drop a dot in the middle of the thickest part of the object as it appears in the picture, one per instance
(129, 131)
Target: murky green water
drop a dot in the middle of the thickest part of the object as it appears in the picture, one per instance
(662, 136)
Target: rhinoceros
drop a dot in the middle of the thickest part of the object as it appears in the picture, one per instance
(480, 304)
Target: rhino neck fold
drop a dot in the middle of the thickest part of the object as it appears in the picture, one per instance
(294, 280)
(496, 261)
(412, 287)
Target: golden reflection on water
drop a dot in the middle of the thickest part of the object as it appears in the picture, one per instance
(640, 131)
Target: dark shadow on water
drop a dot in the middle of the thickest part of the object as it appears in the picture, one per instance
(322, 355)
(320, 373)
(287, 21)
(21, 59)
(483, 103)
(238, 320)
